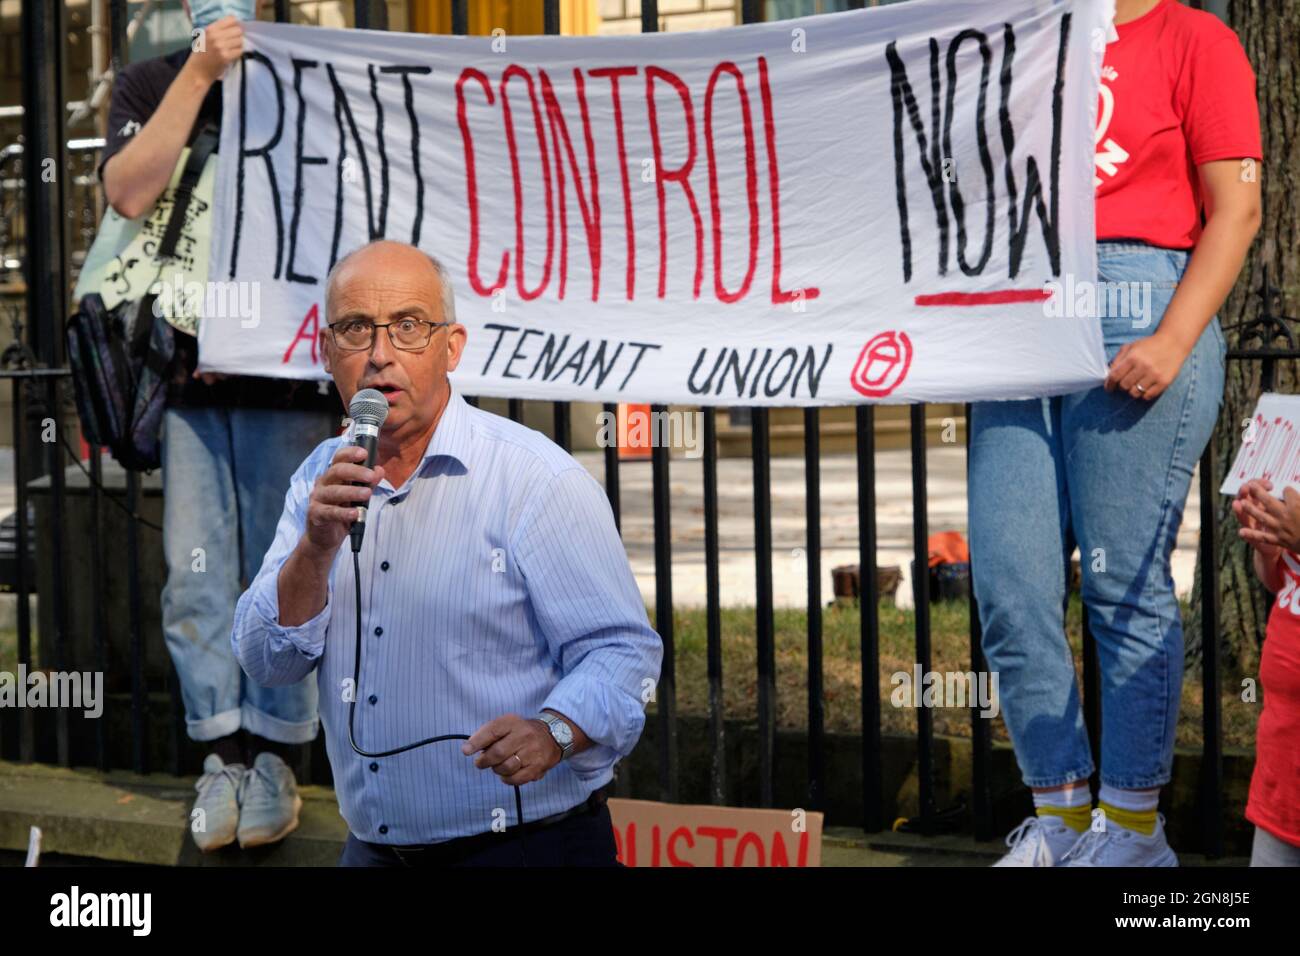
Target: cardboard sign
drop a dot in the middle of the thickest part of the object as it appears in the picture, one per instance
(1270, 446)
(649, 833)
(878, 205)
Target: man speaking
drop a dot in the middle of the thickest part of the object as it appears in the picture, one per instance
(496, 601)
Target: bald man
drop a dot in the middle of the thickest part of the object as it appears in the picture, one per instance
(496, 602)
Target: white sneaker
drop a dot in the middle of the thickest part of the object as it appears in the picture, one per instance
(1120, 846)
(215, 816)
(268, 802)
(1039, 841)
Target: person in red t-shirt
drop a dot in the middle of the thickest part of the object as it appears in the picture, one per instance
(1177, 166)
(1272, 528)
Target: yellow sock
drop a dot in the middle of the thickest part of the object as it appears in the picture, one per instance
(1076, 818)
(1140, 821)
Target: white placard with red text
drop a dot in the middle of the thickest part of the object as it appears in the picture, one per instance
(1270, 446)
(862, 206)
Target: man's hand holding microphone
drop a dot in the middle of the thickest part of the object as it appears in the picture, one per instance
(336, 499)
(335, 510)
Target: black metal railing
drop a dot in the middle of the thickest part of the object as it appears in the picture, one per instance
(83, 202)
(41, 387)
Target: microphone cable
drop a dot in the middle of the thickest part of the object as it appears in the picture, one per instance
(352, 712)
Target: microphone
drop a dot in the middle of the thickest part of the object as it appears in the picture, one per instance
(368, 409)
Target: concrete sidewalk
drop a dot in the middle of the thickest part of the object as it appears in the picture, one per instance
(120, 817)
(946, 483)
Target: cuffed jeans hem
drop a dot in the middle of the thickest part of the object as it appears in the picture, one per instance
(211, 728)
(1136, 783)
(1079, 776)
(281, 731)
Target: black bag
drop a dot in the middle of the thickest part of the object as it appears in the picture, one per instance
(122, 359)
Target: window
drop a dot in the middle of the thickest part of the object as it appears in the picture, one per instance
(788, 9)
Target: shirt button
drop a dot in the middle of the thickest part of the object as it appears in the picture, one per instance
(383, 828)
(379, 632)
(384, 566)
(374, 768)
(374, 699)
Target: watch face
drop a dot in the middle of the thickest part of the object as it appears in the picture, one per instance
(563, 733)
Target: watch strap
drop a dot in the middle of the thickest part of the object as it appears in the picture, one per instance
(551, 720)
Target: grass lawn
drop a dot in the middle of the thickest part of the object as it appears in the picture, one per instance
(9, 650)
(842, 670)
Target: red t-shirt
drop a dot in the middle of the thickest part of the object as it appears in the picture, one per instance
(1274, 801)
(1176, 91)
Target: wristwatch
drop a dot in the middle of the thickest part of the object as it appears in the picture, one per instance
(561, 732)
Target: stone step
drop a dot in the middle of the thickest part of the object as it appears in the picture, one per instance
(128, 818)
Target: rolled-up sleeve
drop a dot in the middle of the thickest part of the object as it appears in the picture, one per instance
(270, 653)
(591, 612)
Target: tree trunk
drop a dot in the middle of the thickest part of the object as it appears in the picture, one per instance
(1270, 32)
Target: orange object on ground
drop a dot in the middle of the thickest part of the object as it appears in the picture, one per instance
(636, 446)
(948, 547)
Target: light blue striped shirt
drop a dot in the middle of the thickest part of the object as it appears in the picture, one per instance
(492, 582)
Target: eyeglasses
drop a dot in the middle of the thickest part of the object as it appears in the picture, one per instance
(358, 335)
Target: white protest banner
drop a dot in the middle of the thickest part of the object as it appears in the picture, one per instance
(863, 206)
(1270, 446)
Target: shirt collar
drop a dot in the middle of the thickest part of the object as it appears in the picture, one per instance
(452, 437)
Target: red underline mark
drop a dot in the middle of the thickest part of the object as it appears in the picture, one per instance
(998, 297)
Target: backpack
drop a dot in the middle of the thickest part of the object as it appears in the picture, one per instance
(123, 358)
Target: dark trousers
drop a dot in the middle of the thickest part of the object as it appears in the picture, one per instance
(583, 840)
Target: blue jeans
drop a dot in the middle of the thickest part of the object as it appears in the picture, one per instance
(225, 475)
(1110, 473)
